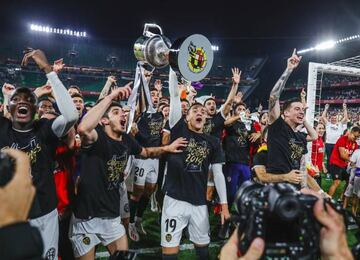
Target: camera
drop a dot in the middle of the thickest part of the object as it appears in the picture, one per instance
(7, 167)
(280, 215)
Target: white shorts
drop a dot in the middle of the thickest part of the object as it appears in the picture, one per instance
(48, 226)
(145, 171)
(356, 190)
(86, 234)
(124, 201)
(176, 215)
(349, 190)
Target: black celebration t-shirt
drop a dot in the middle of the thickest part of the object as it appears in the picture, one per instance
(214, 125)
(150, 126)
(285, 147)
(102, 171)
(40, 144)
(187, 172)
(236, 143)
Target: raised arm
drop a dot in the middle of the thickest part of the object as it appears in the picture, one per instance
(231, 120)
(312, 134)
(274, 103)
(345, 113)
(86, 129)
(324, 114)
(106, 89)
(7, 90)
(175, 103)
(234, 88)
(69, 114)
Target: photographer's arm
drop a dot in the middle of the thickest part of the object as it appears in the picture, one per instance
(333, 242)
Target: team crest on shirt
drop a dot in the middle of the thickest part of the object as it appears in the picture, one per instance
(196, 152)
(168, 237)
(86, 240)
(127, 208)
(50, 254)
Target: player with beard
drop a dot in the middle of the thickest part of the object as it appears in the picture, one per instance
(286, 146)
(103, 160)
(214, 123)
(145, 171)
(39, 140)
(186, 178)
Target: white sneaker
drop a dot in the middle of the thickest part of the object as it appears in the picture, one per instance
(133, 233)
(139, 227)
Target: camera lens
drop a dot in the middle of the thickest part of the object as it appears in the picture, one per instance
(288, 208)
(244, 194)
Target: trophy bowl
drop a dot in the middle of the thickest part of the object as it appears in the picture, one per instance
(191, 56)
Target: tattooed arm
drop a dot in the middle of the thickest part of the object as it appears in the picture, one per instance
(274, 103)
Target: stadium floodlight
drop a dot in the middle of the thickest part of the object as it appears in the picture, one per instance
(329, 44)
(325, 45)
(48, 29)
(214, 47)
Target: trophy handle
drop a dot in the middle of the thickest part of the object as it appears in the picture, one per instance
(147, 26)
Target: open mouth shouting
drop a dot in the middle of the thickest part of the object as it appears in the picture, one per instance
(123, 123)
(23, 111)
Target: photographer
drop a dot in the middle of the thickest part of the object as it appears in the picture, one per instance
(14, 210)
(333, 244)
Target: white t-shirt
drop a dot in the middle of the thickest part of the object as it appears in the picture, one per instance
(355, 158)
(334, 131)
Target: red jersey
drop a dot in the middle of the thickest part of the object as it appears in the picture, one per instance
(317, 154)
(349, 146)
(63, 173)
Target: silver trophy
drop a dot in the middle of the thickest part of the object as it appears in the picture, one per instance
(192, 56)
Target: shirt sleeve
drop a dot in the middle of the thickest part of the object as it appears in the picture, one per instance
(354, 157)
(45, 127)
(341, 142)
(167, 127)
(260, 159)
(218, 154)
(98, 146)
